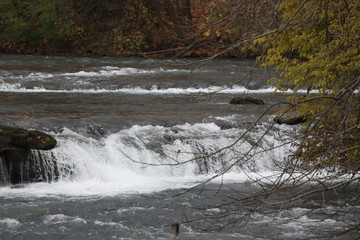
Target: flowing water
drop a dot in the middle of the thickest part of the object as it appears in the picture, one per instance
(123, 127)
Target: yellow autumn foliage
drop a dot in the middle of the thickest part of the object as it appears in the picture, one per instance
(317, 48)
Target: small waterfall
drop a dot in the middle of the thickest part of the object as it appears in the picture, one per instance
(208, 160)
(42, 166)
(25, 166)
(4, 176)
(145, 152)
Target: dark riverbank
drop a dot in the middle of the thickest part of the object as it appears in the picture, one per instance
(117, 28)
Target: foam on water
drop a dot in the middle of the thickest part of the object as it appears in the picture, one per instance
(116, 71)
(88, 81)
(10, 223)
(17, 87)
(111, 224)
(105, 71)
(61, 218)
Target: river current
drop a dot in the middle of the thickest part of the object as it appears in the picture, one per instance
(134, 135)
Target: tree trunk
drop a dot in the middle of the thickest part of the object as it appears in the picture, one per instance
(172, 10)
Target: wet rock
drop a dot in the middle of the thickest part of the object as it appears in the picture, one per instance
(18, 161)
(14, 138)
(246, 100)
(291, 118)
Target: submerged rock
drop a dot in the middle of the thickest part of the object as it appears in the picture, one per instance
(246, 100)
(291, 118)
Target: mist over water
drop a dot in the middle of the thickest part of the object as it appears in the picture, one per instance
(130, 130)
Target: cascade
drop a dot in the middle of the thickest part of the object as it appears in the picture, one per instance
(25, 166)
(140, 151)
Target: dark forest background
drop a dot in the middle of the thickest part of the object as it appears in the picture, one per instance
(160, 28)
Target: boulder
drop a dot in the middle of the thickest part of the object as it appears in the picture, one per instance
(290, 118)
(14, 138)
(246, 100)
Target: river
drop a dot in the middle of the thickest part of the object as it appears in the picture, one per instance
(128, 130)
